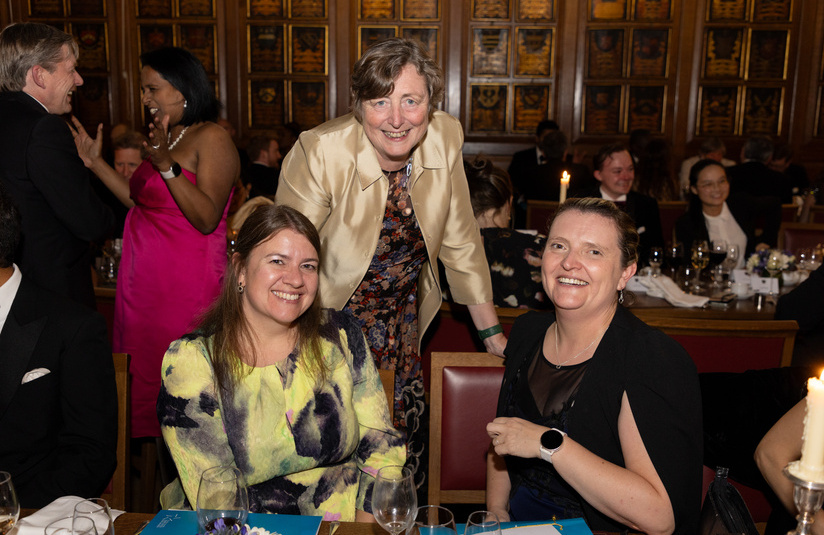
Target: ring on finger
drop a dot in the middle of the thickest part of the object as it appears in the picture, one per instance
(156, 146)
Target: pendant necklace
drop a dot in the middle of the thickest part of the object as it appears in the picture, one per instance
(557, 354)
(173, 144)
(404, 183)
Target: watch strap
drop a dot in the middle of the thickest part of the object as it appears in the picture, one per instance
(173, 171)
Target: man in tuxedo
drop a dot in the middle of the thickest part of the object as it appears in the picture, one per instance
(615, 171)
(58, 398)
(262, 173)
(41, 170)
(544, 181)
(521, 166)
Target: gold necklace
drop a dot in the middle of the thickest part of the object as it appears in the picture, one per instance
(557, 354)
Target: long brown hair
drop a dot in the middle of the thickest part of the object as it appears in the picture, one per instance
(225, 320)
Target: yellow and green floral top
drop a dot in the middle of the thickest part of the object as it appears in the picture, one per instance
(304, 448)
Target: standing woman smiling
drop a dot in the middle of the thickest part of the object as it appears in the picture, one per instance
(174, 241)
(386, 188)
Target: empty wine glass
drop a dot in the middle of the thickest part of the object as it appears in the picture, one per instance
(733, 254)
(97, 509)
(394, 500)
(801, 259)
(700, 258)
(222, 500)
(483, 522)
(656, 257)
(814, 261)
(675, 258)
(9, 506)
(433, 520)
(71, 526)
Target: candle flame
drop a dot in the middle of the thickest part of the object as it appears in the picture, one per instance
(565, 180)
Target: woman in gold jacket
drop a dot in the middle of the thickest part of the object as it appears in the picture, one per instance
(385, 187)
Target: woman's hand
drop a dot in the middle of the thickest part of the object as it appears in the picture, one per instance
(515, 436)
(496, 345)
(88, 149)
(158, 146)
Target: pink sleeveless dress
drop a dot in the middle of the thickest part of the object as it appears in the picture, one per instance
(169, 273)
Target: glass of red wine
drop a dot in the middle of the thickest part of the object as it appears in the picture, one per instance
(222, 500)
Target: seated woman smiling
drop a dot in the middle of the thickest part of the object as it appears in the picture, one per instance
(278, 387)
(599, 415)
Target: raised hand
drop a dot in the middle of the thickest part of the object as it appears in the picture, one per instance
(89, 149)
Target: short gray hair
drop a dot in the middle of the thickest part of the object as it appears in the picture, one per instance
(26, 44)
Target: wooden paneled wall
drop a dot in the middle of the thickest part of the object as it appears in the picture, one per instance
(684, 69)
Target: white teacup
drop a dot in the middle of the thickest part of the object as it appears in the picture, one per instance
(741, 289)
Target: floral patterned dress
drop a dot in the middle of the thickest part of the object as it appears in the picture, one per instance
(385, 304)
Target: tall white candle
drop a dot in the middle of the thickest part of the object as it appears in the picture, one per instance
(564, 186)
(811, 465)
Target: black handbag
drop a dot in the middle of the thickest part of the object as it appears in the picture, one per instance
(724, 511)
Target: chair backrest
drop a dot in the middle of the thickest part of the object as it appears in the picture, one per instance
(538, 213)
(789, 213)
(388, 382)
(463, 399)
(732, 345)
(794, 236)
(670, 211)
(117, 492)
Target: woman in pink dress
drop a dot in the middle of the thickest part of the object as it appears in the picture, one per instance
(174, 241)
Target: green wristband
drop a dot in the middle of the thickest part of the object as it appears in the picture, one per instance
(492, 331)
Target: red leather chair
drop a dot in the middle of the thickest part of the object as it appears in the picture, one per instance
(463, 399)
(731, 345)
(795, 236)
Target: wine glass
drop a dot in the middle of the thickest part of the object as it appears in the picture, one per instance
(394, 500)
(483, 523)
(9, 506)
(71, 526)
(97, 509)
(433, 520)
(222, 500)
(733, 254)
(718, 253)
(675, 258)
(814, 261)
(656, 257)
(699, 259)
(801, 259)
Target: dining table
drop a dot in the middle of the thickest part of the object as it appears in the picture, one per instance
(133, 524)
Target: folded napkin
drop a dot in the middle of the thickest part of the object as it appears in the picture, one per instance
(663, 286)
(62, 507)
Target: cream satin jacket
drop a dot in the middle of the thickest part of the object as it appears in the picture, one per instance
(333, 177)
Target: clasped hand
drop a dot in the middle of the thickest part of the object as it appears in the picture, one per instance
(515, 436)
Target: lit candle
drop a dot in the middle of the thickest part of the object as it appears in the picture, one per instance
(811, 465)
(564, 186)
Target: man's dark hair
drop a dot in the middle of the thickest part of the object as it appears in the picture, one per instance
(554, 145)
(546, 125)
(758, 148)
(9, 229)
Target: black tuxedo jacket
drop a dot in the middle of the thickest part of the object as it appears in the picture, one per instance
(60, 430)
(644, 211)
(543, 182)
(45, 177)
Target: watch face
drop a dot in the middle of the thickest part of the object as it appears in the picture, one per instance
(552, 439)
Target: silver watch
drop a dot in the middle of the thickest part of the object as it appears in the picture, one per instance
(551, 441)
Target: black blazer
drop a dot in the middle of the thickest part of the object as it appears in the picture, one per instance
(61, 428)
(45, 177)
(264, 180)
(687, 231)
(644, 211)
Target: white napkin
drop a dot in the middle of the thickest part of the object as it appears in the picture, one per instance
(663, 286)
(62, 507)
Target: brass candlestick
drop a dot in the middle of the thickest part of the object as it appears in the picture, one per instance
(808, 497)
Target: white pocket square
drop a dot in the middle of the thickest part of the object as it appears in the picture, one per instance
(37, 373)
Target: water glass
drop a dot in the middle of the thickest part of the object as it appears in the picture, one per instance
(96, 509)
(483, 523)
(9, 506)
(222, 499)
(71, 526)
(433, 520)
(394, 499)
(656, 257)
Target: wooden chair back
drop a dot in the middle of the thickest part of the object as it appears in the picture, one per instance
(794, 236)
(118, 490)
(538, 214)
(789, 213)
(670, 211)
(463, 399)
(732, 345)
(388, 382)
